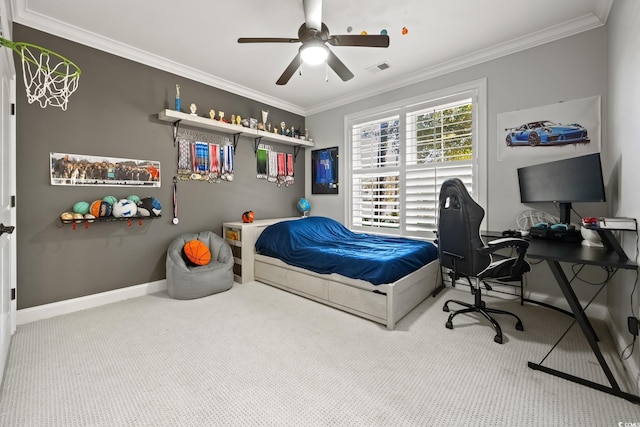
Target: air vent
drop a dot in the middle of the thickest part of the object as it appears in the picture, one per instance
(378, 67)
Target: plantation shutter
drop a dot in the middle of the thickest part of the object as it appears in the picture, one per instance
(375, 189)
(439, 145)
(400, 161)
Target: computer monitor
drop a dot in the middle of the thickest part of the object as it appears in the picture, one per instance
(578, 179)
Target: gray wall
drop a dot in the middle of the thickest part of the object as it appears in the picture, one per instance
(114, 113)
(564, 70)
(623, 159)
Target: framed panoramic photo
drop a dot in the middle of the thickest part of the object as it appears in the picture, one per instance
(324, 171)
(82, 169)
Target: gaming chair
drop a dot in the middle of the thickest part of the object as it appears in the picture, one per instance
(462, 251)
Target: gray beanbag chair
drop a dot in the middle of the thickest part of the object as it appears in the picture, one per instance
(188, 281)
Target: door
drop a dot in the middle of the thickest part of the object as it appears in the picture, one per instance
(7, 205)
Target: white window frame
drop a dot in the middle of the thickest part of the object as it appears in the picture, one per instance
(477, 91)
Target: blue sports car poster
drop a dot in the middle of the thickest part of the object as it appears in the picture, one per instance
(551, 131)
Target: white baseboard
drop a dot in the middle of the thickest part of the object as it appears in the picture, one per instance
(595, 311)
(46, 311)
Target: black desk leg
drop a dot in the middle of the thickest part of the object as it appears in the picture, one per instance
(587, 330)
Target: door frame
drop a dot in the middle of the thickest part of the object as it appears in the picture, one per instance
(7, 110)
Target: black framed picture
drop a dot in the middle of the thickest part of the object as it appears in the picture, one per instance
(324, 171)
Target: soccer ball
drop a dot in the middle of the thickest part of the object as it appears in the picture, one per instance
(150, 206)
(124, 208)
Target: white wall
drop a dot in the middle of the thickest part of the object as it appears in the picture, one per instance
(623, 157)
(567, 69)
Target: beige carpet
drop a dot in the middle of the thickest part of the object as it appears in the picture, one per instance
(256, 355)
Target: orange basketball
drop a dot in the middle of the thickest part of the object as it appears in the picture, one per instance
(197, 252)
(247, 216)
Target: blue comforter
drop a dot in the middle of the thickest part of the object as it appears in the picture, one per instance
(324, 245)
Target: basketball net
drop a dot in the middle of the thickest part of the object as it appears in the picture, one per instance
(49, 78)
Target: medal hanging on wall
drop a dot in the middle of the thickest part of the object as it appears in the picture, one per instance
(262, 156)
(185, 167)
(175, 220)
(282, 168)
(273, 167)
(194, 162)
(201, 161)
(227, 162)
(288, 180)
(214, 165)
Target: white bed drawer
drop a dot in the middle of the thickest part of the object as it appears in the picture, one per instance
(368, 302)
(269, 272)
(308, 284)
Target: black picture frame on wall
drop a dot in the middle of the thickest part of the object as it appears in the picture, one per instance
(324, 171)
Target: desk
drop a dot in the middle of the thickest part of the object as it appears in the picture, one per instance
(554, 252)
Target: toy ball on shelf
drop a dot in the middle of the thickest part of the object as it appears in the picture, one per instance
(151, 205)
(110, 199)
(81, 208)
(100, 208)
(248, 216)
(135, 199)
(89, 218)
(78, 217)
(66, 217)
(124, 208)
(303, 206)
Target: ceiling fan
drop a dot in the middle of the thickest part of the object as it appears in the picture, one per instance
(314, 36)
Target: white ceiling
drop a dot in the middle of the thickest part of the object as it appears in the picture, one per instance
(198, 39)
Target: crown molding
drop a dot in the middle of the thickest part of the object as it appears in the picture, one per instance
(77, 35)
(575, 26)
(566, 29)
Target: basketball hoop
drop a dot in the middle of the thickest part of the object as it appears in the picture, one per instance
(49, 78)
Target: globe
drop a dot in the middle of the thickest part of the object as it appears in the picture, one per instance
(303, 206)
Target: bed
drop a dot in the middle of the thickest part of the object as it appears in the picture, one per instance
(376, 277)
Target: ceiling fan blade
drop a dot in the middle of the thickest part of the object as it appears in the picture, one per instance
(266, 40)
(288, 72)
(359, 40)
(338, 66)
(313, 14)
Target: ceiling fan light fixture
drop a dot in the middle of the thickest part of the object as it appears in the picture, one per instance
(314, 52)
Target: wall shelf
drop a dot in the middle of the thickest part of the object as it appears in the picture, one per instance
(177, 118)
(86, 222)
